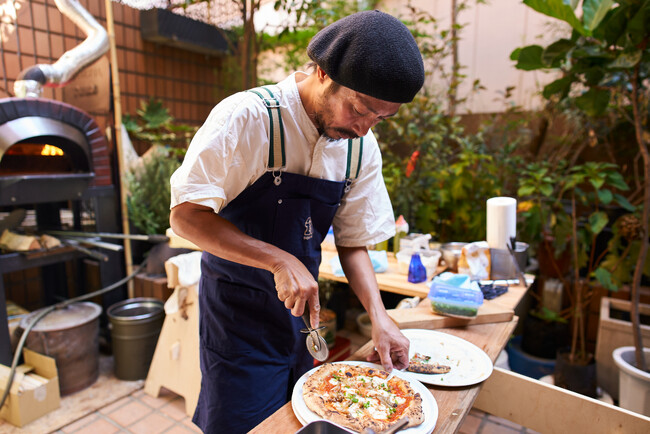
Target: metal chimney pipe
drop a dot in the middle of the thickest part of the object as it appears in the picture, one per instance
(30, 81)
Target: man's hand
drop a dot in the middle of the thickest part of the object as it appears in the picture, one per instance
(296, 286)
(391, 346)
(294, 283)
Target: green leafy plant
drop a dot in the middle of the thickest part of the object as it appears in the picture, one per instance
(604, 65)
(150, 191)
(571, 203)
(148, 183)
(154, 125)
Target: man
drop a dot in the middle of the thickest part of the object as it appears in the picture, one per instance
(263, 179)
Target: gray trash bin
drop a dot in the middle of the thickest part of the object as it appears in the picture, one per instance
(135, 326)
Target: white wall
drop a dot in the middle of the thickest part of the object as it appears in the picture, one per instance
(492, 31)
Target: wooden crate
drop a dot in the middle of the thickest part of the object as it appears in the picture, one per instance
(614, 333)
(151, 286)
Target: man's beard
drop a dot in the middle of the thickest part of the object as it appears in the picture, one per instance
(321, 120)
(323, 116)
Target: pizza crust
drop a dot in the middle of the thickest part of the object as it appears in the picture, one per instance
(428, 368)
(317, 403)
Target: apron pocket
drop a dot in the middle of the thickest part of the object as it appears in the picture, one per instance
(233, 317)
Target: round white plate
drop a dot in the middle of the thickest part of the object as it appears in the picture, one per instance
(469, 364)
(429, 404)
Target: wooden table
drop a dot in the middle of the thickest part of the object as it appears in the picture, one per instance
(391, 280)
(500, 309)
(453, 403)
(489, 330)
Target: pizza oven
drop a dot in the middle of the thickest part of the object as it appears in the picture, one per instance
(54, 157)
(49, 151)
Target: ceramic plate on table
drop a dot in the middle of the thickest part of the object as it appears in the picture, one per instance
(469, 364)
(429, 404)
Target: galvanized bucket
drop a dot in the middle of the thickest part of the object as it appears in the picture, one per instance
(71, 337)
(135, 326)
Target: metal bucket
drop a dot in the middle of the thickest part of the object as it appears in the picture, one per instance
(135, 326)
(71, 337)
(502, 264)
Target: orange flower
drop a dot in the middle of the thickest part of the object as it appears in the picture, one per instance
(410, 166)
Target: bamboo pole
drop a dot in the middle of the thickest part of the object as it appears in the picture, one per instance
(117, 105)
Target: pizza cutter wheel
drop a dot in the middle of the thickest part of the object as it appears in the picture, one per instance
(316, 344)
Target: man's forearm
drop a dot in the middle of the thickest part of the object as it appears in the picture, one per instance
(216, 235)
(361, 276)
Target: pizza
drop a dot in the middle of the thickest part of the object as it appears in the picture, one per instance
(423, 365)
(359, 397)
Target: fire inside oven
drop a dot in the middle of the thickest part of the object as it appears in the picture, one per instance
(34, 158)
(48, 152)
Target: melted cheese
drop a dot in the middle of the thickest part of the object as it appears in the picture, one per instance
(377, 403)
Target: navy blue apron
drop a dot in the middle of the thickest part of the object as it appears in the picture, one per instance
(251, 349)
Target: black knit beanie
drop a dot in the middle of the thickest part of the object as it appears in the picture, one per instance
(370, 52)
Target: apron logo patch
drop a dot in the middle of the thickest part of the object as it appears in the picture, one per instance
(309, 230)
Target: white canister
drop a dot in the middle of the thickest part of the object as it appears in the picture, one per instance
(501, 221)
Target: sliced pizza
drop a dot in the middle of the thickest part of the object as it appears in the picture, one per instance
(422, 364)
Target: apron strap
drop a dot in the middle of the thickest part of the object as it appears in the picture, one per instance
(355, 152)
(277, 158)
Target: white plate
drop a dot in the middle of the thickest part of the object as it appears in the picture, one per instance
(429, 404)
(469, 364)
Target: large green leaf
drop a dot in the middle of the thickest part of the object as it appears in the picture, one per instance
(561, 86)
(546, 189)
(593, 12)
(627, 59)
(593, 76)
(594, 101)
(598, 221)
(613, 26)
(560, 9)
(525, 190)
(604, 277)
(636, 31)
(615, 179)
(605, 196)
(515, 54)
(554, 53)
(530, 58)
(622, 201)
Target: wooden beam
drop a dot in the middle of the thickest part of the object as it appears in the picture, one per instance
(550, 409)
(121, 163)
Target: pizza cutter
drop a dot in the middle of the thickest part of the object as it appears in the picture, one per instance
(316, 344)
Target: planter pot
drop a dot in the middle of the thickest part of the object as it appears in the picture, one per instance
(602, 395)
(527, 364)
(634, 384)
(543, 338)
(579, 378)
(614, 331)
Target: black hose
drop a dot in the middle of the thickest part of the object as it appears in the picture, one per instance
(49, 309)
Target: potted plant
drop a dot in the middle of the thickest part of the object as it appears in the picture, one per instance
(604, 66)
(570, 203)
(147, 179)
